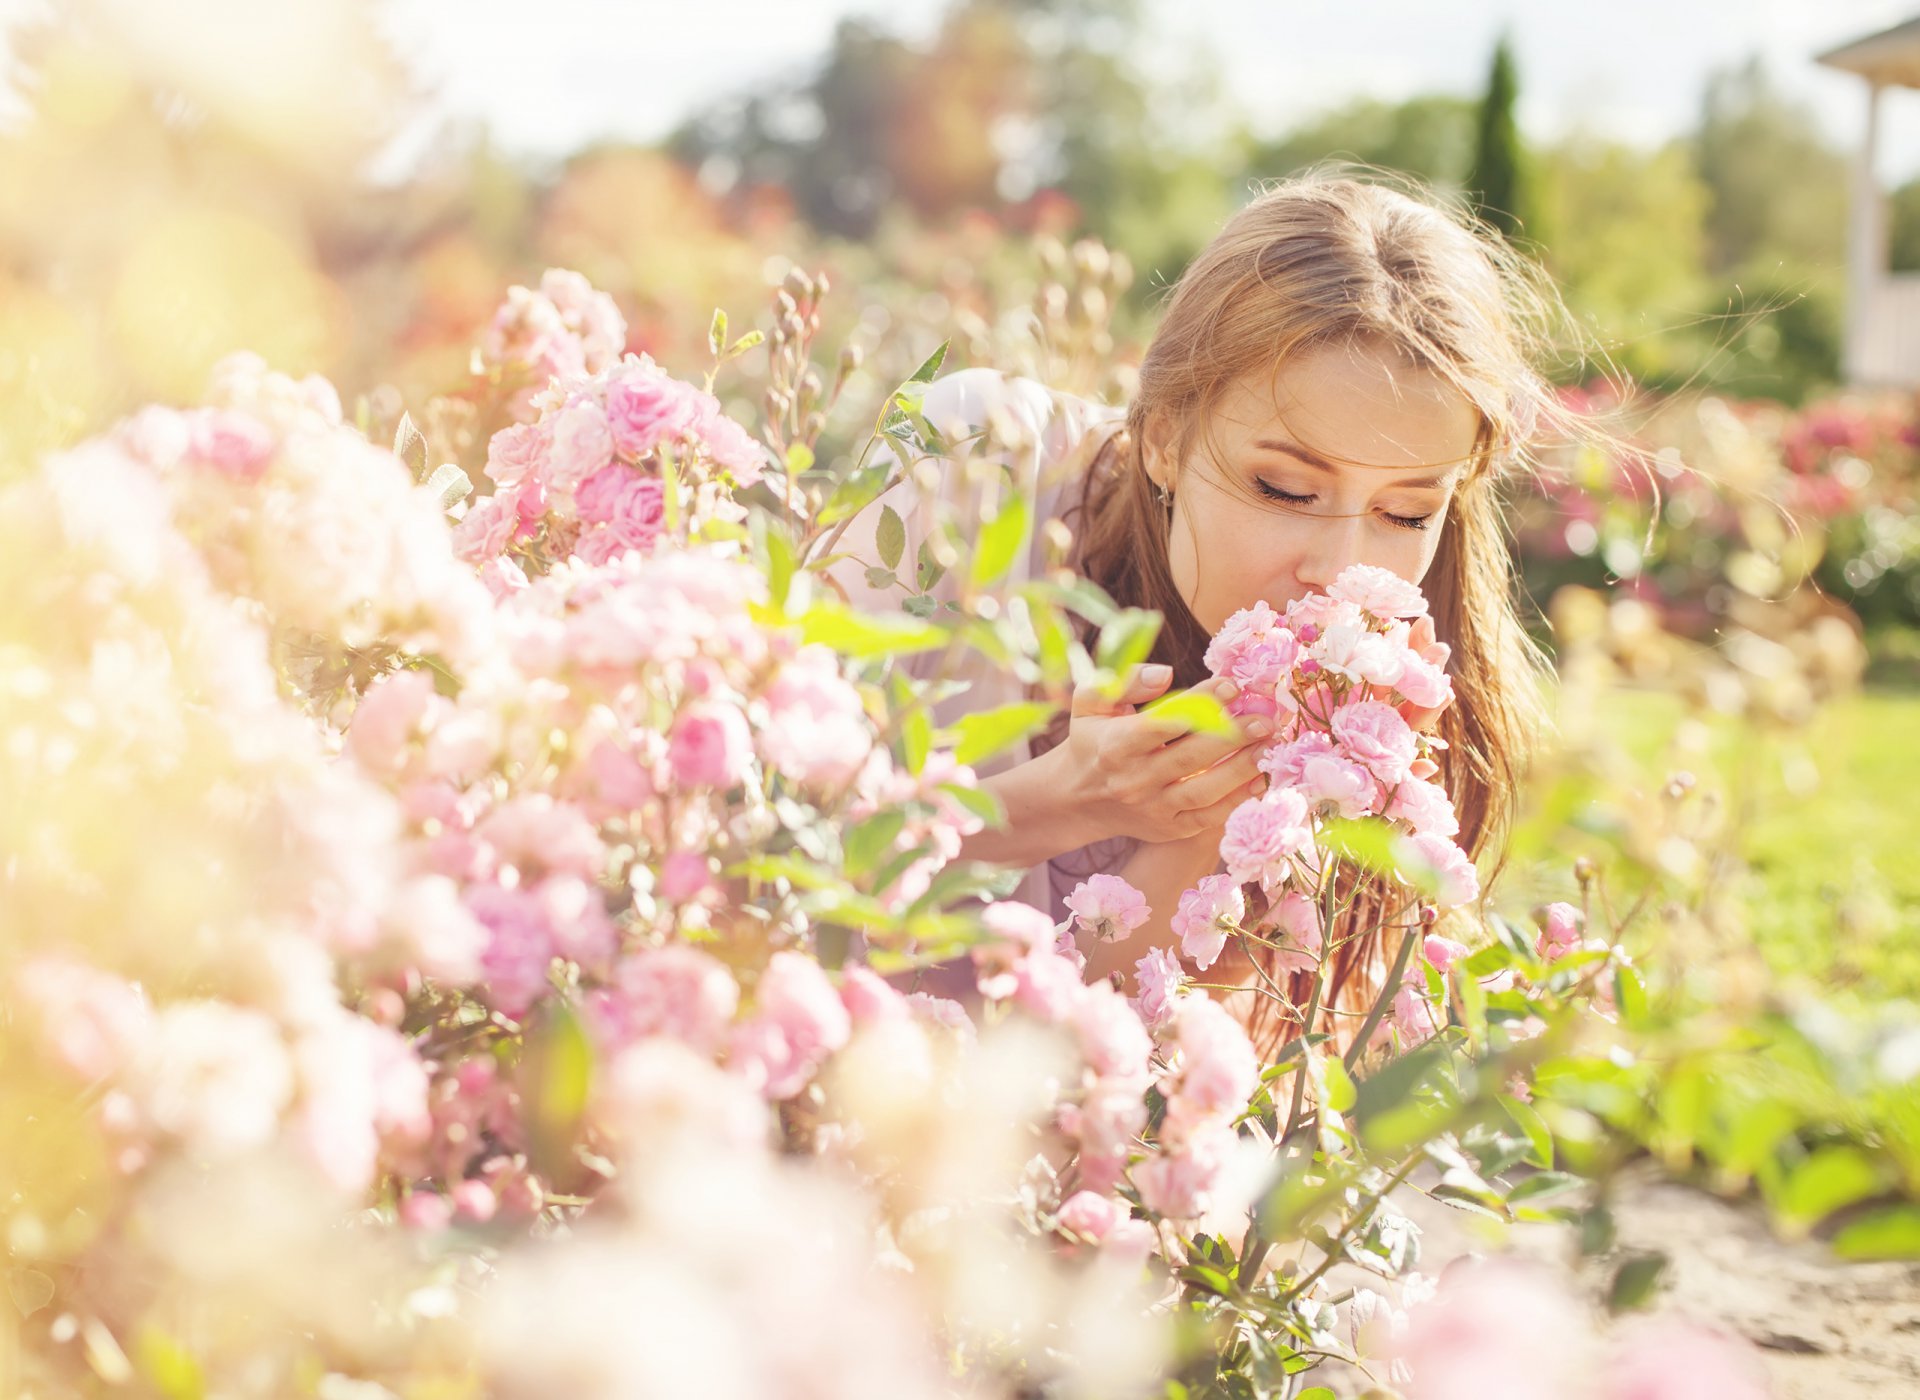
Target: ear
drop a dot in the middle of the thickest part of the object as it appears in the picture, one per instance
(1156, 451)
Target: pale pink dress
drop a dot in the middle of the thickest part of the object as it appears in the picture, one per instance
(1053, 424)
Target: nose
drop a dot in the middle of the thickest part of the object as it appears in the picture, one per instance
(1334, 542)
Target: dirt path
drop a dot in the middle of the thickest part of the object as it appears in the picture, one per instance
(1827, 1329)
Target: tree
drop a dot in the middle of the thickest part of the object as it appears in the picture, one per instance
(1430, 137)
(1498, 182)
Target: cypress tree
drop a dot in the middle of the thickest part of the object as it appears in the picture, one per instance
(1497, 184)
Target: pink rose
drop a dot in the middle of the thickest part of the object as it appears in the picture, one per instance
(1090, 1215)
(582, 445)
(1374, 734)
(685, 875)
(647, 407)
(1425, 807)
(816, 730)
(1108, 907)
(387, 718)
(1560, 932)
(1216, 1071)
(517, 453)
(232, 443)
(1263, 834)
(1112, 1041)
(1297, 920)
(1207, 914)
(1440, 859)
(674, 991)
(1379, 591)
(710, 746)
(519, 947)
(1161, 981)
(870, 999)
(798, 1021)
(486, 529)
(730, 445)
(1179, 1185)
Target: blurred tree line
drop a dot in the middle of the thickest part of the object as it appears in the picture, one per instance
(1716, 259)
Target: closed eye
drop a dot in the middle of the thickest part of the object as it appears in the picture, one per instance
(1405, 522)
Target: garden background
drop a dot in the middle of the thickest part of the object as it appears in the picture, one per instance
(1734, 605)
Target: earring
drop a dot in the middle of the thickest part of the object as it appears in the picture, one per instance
(1166, 492)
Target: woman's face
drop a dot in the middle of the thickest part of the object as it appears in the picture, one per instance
(1281, 509)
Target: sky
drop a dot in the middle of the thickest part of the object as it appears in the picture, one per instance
(1634, 69)
(550, 76)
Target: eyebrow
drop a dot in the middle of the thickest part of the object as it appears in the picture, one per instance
(1312, 459)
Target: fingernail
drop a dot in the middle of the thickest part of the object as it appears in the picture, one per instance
(1256, 787)
(1156, 675)
(1259, 729)
(1227, 690)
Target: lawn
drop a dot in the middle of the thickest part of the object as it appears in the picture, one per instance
(1832, 830)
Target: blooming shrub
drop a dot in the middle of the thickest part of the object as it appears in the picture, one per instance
(550, 993)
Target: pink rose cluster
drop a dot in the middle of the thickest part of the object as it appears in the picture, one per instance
(586, 476)
(1352, 680)
(1170, 1038)
(563, 329)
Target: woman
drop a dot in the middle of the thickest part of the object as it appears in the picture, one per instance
(1342, 376)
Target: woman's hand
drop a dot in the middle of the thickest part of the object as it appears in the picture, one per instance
(1129, 774)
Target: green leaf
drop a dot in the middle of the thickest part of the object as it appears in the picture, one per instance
(449, 484)
(1367, 842)
(1318, 1392)
(1635, 1282)
(1194, 711)
(855, 491)
(979, 801)
(1127, 639)
(878, 577)
(891, 536)
(1002, 539)
(745, 343)
(916, 738)
(931, 366)
(717, 332)
(931, 570)
(1528, 1120)
(1543, 1184)
(1831, 1178)
(1889, 1233)
(986, 733)
(168, 1364)
(860, 635)
(410, 446)
(871, 839)
(557, 1080)
(799, 459)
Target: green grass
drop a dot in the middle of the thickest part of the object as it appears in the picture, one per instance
(1832, 832)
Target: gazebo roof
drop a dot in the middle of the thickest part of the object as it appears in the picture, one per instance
(1892, 56)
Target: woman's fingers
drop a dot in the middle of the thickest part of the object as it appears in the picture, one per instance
(1143, 683)
(1234, 778)
(1214, 817)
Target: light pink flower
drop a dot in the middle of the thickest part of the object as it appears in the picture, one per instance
(1425, 684)
(1215, 1072)
(1180, 1184)
(1108, 907)
(1207, 914)
(93, 1021)
(1374, 734)
(685, 875)
(1425, 807)
(1091, 1215)
(1446, 863)
(1379, 591)
(1668, 1358)
(1336, 783)
(213, 1075)
(232, 443)
(1297, 920)
(632, 506)
(582, 445)
(673, 991)
(710, 746)
(1019, 923)
(798, 1021)
(870, 999)
(1161, 981)
(518, 452)
(1559, 932)
(729, 444)
(519, 947)
(486, 529)
(1112, 1040)
(816, 730)
(1498, 1329)
(534, 833)
(1442, 954)
(1263, 834)
(647, 407)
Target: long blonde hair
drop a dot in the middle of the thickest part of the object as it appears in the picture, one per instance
(1329, 258)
